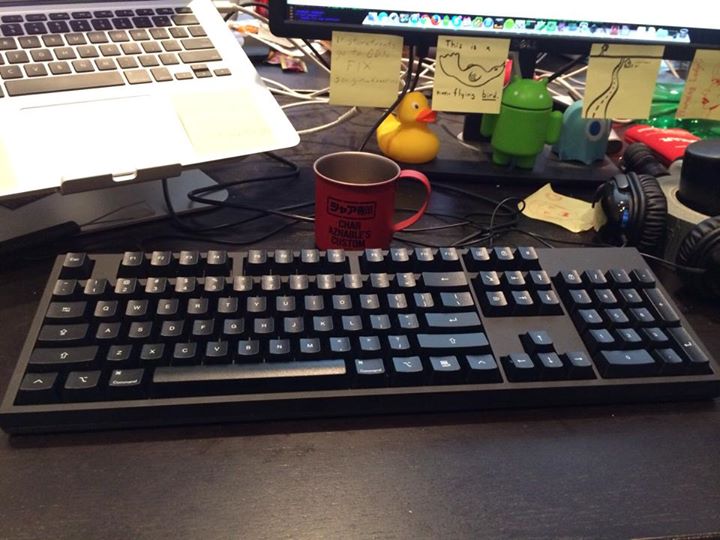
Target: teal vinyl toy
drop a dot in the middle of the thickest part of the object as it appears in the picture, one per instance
(582, 139)
(526, 123)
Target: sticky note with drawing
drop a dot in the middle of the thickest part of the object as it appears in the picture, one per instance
(365, 69)
(701, 97)
(469, 74)
(621, 80)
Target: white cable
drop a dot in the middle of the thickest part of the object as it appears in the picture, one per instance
(303, 103)
(339, 120)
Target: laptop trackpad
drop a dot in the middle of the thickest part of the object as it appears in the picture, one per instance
(115, 136)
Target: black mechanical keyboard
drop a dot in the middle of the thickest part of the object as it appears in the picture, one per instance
(139, 339)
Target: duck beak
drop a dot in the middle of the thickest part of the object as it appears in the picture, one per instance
(426, 115)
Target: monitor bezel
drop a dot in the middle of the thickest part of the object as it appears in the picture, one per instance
(282, 26)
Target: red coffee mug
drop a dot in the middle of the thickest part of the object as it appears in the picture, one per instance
(355, 200)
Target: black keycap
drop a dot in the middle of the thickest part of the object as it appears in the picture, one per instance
(63, 83)
(66, 310)
(37, 388)
(569, 278)
(444, 279)
(600, 339)
(185, 354)
(76, 265)
(167, 307)
(489, 280)
(456, 299)
(453, 341)
(445, 370)
(483, 368)
(579, 365)
(551, 367)
(119, 355)
(50, 333)
(406, 370)
(643, 277)
(527, 257)
(513, 279)
(478, 258)
(105, 309)
(278, 376)
(520, 367)
(594, 278)
(628, 338)
(60, 357)
(369, 372)
(535, 341)
(699, 361)
(539, 278)
(81, 385)
(669, 360)
(107, 331)
(172, 329)
(126, 383)
(495, 304)
(662, 307)
(140, 330)
(217, 352)
(633, 363)
(453, 320)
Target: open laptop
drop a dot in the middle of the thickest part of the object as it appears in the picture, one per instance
(98, 93)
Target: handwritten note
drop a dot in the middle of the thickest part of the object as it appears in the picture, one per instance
(8, 185)
(701, 98)
(572, 214)
(469, 74)
(365, 69)
(621, 80)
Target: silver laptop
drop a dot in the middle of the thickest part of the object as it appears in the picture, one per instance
(100, 93)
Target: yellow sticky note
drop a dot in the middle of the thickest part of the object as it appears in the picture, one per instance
(572, 214)
(701, 97)
(469, 74)
(365, 69)
(621, 80)
(8, 184)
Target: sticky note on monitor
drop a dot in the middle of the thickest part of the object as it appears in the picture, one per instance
(469, 74)
(365, 69)
(701, 97)
(621, 80)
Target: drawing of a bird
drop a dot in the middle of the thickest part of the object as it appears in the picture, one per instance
(473, 75)
(405, 135)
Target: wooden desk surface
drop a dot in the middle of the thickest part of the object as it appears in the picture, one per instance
(596, 472)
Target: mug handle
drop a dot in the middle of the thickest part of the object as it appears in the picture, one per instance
(420, 177)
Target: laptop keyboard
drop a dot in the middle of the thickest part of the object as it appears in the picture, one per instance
(190, 337)
(59, 51)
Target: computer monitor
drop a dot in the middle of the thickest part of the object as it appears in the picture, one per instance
(550, 25)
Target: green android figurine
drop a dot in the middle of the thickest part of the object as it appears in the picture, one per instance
(525, 123)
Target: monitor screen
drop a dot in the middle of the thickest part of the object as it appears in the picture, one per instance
(552, 25)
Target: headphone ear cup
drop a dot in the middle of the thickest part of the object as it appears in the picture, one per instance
(701, 249)
(651, 226)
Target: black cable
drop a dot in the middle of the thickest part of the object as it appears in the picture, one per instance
(391, 108)
(670, 264)
(422, 53)
(315, 53)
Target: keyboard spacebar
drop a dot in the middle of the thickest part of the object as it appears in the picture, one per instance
(63, 83)
(275, 376)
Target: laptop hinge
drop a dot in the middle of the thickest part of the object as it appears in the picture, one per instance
(77, 185)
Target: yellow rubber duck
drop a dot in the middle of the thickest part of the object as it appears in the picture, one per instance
(405, 135)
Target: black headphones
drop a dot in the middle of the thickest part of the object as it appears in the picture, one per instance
(635, 210)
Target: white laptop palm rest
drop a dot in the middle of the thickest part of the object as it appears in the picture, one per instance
(100, 93)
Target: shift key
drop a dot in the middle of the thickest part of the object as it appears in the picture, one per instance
(452, 341)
